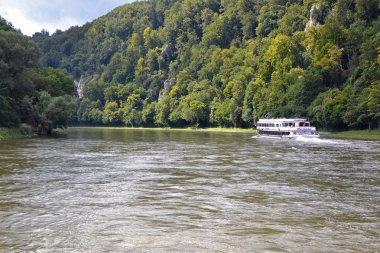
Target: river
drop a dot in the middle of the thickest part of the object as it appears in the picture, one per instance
(115, 190)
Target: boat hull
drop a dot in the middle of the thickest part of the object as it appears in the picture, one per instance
(308, 136)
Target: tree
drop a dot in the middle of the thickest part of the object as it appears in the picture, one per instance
(220, 32)
(374, 103)
(162, 110)
(112, 115)
(196, 112)
(293, 20)
(6, 25)
(17, 55)
(367, 9)
(55, 82)
(268, 19)
(148, 114)
(328, 109)
(90, 112)
(52, 112)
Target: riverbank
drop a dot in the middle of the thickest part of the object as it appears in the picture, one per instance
(213, 129)
(9, 133)
(354, 134)
(23, 130)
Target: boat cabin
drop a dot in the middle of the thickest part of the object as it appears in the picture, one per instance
(283, 123)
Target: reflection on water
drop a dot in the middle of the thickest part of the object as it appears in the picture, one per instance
(114, 190)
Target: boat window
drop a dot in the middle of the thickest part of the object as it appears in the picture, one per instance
(307, 124)
(285, 124)
(276, 125)
(300, 124)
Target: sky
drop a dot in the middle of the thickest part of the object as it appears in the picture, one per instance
(32, 16)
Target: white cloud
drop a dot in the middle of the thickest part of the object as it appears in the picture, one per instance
(33, 16)
(29, 26)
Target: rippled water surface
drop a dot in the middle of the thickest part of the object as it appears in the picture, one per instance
(114, 190)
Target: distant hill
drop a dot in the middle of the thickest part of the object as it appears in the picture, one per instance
(224, 63)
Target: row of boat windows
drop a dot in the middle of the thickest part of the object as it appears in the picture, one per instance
(286, 124)
(274, 133)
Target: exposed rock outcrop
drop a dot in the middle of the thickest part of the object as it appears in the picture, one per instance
(314, 13)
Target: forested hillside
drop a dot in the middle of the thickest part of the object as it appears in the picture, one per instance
(39, 97)
(225, 63)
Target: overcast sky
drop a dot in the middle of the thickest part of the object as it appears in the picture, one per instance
(34, 15)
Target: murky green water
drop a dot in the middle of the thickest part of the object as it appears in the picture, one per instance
(100, 190)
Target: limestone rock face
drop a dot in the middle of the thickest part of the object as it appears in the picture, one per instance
(314, 12)
(83, 80)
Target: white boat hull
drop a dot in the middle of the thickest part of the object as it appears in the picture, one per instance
(285, 136)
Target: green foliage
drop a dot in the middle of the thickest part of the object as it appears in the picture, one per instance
(112, 114)
(90, 112)
(268, 19)
(328, 109)
(52, 112)
(9, 133)
(221, 63)
(374, 102)
(18, 54)
(55, 82)
(5, 25)
(25, 88)
(293, 20)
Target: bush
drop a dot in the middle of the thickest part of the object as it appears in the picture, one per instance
(25, 129)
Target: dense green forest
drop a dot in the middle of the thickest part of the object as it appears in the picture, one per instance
(224, 63)
(41, 98)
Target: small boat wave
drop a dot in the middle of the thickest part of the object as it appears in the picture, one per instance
(318, 140)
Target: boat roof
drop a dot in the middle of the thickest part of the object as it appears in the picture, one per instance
(281, 120)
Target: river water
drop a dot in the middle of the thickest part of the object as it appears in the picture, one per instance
(114, 190)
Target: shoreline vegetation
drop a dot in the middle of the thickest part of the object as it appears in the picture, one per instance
(189, 129)
(373, 134)
(13, 133)
(349, 134)
(10, 133)
(22, 131)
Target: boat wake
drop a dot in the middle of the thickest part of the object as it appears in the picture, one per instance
(318, 140)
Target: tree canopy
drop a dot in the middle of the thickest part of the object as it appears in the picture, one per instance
(224, 63)
(29, 93)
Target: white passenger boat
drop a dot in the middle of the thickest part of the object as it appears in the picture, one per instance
(285, 128)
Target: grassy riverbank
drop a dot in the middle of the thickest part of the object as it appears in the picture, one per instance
(354, 134)
(9, 133)
(23, 130)
(213, 129)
